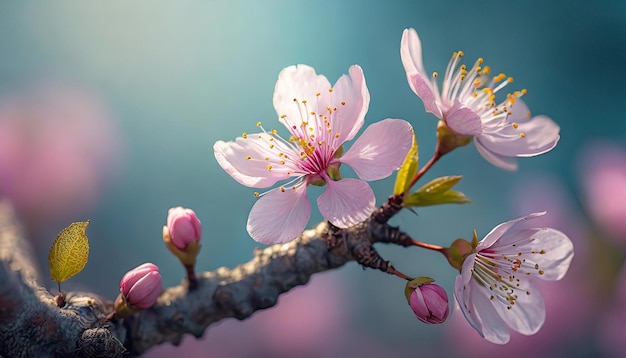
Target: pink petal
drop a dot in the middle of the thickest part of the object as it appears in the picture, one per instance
(419, 80)
(352, 91)
(411, 51)
(301, 83)
(420, 84)
(494, 235)
(463, 120)
(507, 163)
(541, 134)
(380, 149)
(279, 217)
(346, 202)
(528, 313)
(231, 156)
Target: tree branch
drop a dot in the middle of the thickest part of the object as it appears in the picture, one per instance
(80, 328)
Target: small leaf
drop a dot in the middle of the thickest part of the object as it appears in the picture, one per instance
(437, 191)
(440, 185)
(69, 252)
(448, 197)
(407, 170)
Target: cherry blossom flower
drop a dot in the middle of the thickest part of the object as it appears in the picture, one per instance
(320, 119)
(467, 106)
(495, 291)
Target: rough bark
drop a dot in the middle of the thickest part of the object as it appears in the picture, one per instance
(32, 325)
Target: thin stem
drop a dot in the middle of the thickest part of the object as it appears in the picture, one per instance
(429, 246)
(436, 156)
(401, 275)
(191, 277)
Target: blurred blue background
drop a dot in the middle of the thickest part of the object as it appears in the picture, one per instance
(156, 83)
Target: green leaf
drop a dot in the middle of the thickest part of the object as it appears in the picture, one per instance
(69, 252)
(407, 170)
(438, 191)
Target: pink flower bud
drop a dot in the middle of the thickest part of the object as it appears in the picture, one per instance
(184, 227)
(141, 286)
(429, 302)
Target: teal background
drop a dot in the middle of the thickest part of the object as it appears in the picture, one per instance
(179, 76)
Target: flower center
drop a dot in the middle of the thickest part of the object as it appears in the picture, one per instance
(309, 152)
(498, 272)
(476, 89)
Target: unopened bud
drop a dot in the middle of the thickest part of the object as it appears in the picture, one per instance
(428, 301)
(458, 251)
(184, 227)
(140, 288)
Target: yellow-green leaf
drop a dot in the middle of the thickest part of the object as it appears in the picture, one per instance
(407, 170)
(69, 252)
(440, 185)
(437, 191)
(448, 197)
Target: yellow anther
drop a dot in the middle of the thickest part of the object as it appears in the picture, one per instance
(330, 89)
(271, 139)
(488, 90)
(476, 83)
(274, 131)
(271, 146)
(510, 79)
(304, 101)
(435, 74)
(336, 135)
(282, 189)
(522, 134)
(486, 70)
(312, 113)
(480, 60)
(463, 67)
(541, 272)
(320, 143)
(461, 54)
(499, 77)
(524, 91)
(318, 94)
(282, 162)
(248, 157)
(528, 114)
(244, 135)
(258, 124)
(267, 158)
(256, 194)
(283, 115)
(269, 167)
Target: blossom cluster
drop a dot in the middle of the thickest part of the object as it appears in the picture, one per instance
(495, 288)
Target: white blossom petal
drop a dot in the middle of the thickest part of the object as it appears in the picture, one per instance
(279, 217)
(346, 202)
(380, 150)
(528, 313)
(496, 233)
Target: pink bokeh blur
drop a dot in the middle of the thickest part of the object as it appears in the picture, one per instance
(59, 147)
